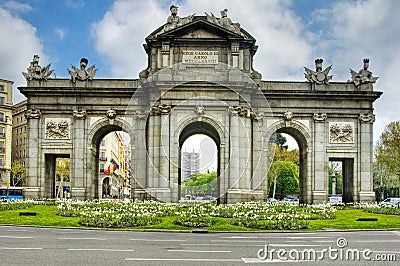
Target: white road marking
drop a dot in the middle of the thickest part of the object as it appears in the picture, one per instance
(158, 240)
(100, 249)
(80, 238)
(20, 230)
(199, 251)
(22, 237)
(199, 260)
(378, 241)
(240, 237)
(7, 248)
(396, 233)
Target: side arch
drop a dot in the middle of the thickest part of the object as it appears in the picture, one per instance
(96, 133)
(302, 136)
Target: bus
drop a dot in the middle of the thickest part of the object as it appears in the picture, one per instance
(11, 193)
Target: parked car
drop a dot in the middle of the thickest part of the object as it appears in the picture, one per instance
(272, 200)
(209, 197)
(290, 200)
(335, 199)
(390, 202)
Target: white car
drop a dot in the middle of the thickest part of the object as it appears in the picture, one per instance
(390, 201)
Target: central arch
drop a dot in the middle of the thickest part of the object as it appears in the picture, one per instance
(199, 127)
(296, 130)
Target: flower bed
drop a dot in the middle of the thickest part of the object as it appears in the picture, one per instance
(115, 214)
(251, 214)
(15, 205)
(377, 209)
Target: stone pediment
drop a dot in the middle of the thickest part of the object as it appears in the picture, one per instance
(200, 33)
(200, 27)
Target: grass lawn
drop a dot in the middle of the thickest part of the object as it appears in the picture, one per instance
(345, 219)
(46, 216)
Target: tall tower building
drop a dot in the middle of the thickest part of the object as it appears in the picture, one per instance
(190, 165)
(6, 108)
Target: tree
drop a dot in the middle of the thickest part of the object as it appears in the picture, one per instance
(387, 156)
(283, 177)
(201, 183)
(17, 174)
(281, 153)
(278, 139)
(62, 169)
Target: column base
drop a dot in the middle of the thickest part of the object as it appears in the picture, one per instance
(31, 192)
(367, 196)
(319, 197)
(78, 193)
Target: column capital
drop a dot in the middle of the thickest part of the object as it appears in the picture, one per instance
(33, 113)
(79, 114)
(367, 118)
(320, 117)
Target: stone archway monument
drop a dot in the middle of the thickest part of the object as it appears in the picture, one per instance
(200, 80)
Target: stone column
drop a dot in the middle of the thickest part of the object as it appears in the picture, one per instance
(319, 187)
(365, 144)
(260, 159)
(156, 149)
(164, 150)
(33, 154)
(140, 159)
(244, 146)
(78, 182)
(234, 160)
(150, 149)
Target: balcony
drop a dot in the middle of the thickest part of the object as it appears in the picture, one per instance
(102, 158)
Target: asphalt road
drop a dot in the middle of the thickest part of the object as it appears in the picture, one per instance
(51, 246)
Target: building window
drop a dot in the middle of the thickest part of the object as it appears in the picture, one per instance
(1, 160)
(2, 135)
(103, 143)
(1, 87)
(102, 167)
(1, 100)
(102, 156)
(2, 146)
(1, 117)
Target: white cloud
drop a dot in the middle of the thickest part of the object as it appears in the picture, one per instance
(17, 50)
(75, 3)
(281, 55)
(346, 32)
(17, 7)
(361, 29)
(60, 33)
(121, 33)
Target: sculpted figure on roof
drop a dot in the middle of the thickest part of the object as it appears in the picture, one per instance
(224, 21)
(35, 71)
(174, 20)
(364, 76)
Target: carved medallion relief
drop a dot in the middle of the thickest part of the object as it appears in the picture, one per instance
(57, 128)
(341, 132)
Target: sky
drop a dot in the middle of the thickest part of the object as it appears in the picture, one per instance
(290, 34)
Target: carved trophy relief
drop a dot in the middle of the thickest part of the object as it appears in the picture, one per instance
(341, 132)
(35, 71)
(318, 76)
(57, 128)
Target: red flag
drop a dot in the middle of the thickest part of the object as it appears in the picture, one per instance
(107, 171)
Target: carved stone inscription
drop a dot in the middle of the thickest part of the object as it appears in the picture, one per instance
(341, 132)
(200, 57)
(57, 128)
